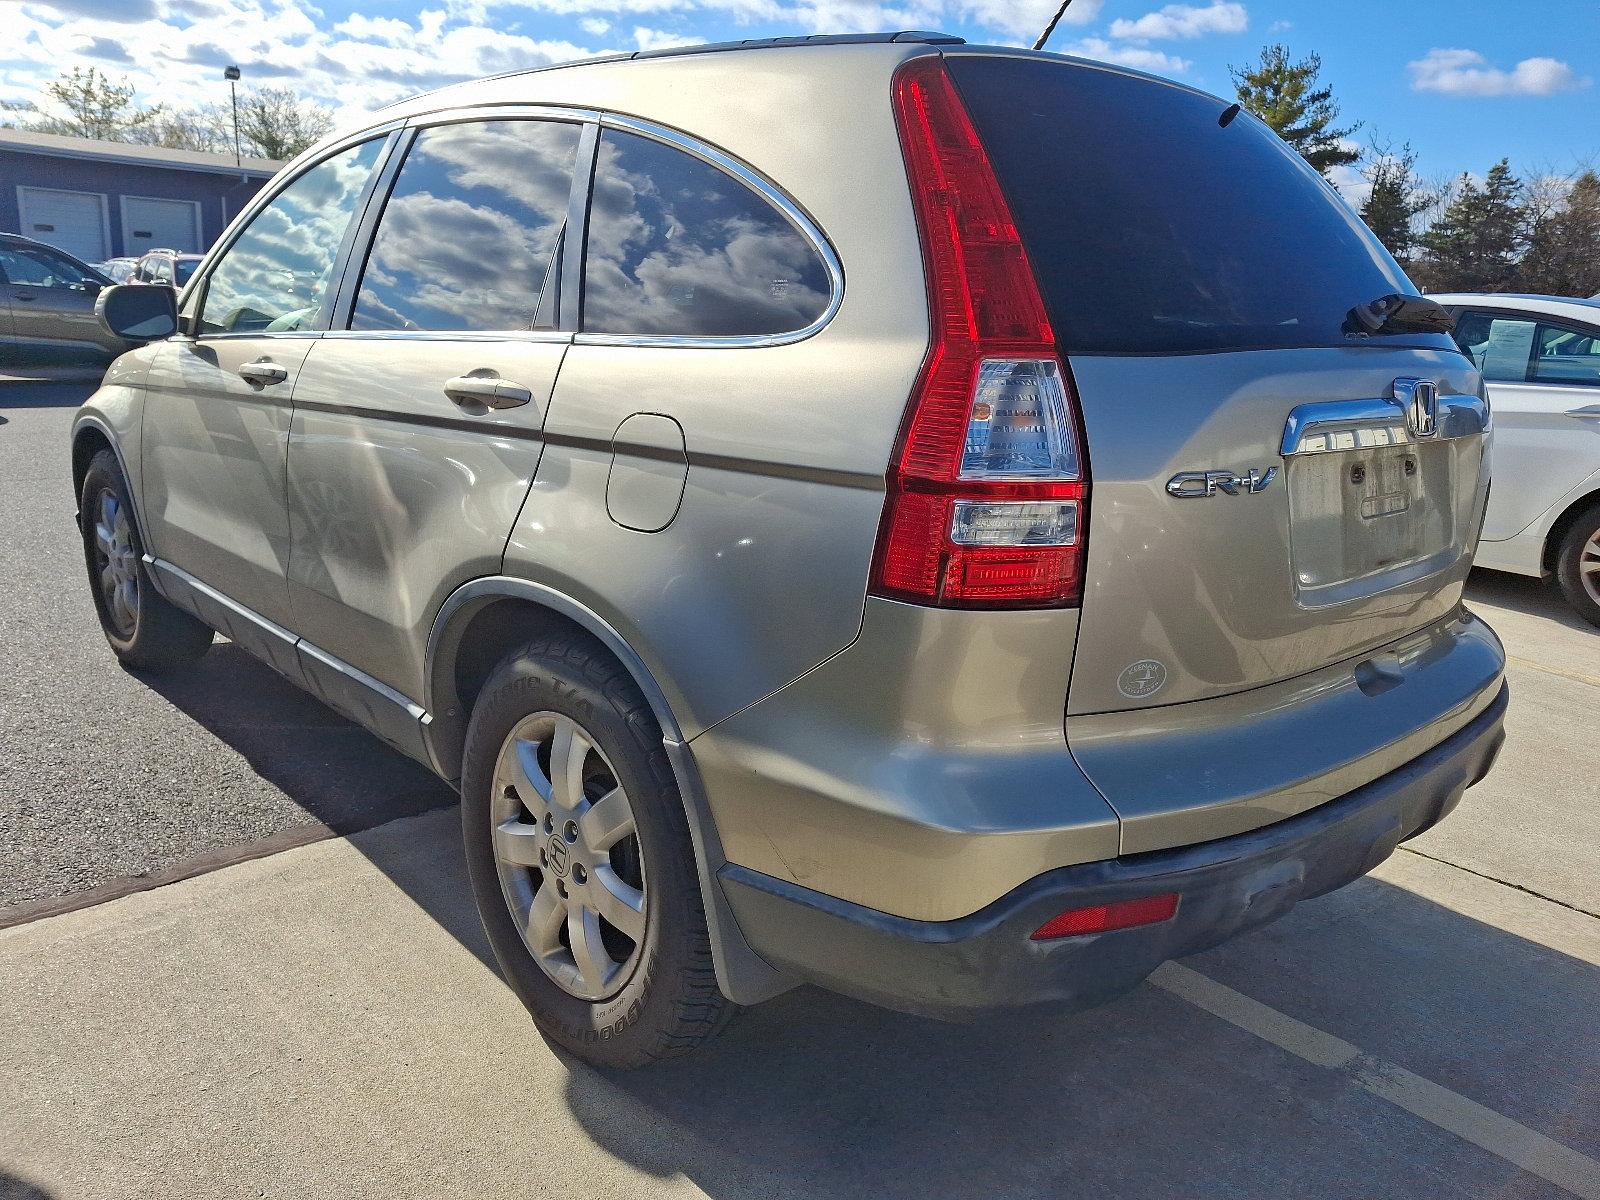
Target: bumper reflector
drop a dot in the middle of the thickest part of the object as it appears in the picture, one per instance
(1146, 910)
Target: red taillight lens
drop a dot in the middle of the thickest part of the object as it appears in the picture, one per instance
(1101, 918)
(987, 495)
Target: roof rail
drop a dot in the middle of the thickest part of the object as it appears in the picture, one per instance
(816, 39)
(922, 36)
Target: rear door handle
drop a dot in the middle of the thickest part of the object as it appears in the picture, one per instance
(24, 296)
(262, 372)
(487, 389)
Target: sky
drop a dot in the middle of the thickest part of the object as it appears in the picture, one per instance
(1465, 82)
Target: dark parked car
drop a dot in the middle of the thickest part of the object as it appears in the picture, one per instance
(47, 306)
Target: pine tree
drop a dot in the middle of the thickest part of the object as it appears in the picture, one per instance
(1287, 97)
(1476, 245)
(1395, 199)
(1563, 257)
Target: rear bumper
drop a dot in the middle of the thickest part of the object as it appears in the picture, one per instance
(986, 960)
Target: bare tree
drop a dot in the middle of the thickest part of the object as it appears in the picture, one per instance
(87, 104)
(273, 122)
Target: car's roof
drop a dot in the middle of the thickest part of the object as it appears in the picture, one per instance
(914, 36)
(1565, 306)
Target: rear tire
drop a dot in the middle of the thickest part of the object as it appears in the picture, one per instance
(1578, 565)
(558, 711)
(144, 629)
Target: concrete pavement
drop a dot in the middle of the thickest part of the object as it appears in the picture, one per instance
(323, 1023)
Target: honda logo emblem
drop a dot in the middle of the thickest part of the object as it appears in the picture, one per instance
(1420, 399)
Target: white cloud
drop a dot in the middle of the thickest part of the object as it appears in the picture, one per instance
(1468, 73)
(1141, 58)
(660, 39)
(594, 26)
(1184, 21)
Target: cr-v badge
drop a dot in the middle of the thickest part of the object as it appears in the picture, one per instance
(1197, 485)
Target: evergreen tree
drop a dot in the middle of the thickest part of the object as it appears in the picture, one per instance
(1395, 200)
(1563, 257)
(1287, 97)
(1476, 245)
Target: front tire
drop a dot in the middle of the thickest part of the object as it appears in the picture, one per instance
(580, 858)
(1578, 565)
(145, 630)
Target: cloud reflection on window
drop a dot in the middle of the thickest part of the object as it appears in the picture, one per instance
(678, 247)
(469, 229)
(277, 272)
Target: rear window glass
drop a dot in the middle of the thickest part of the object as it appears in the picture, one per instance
(1153, 229)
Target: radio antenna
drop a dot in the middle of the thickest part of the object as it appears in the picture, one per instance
(1051, 28)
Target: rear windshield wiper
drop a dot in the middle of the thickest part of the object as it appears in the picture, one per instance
(1399, 313)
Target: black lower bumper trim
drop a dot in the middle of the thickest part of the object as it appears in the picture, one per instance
(987, 960)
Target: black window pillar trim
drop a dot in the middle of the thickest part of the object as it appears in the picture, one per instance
(357, 243)
(577, 230)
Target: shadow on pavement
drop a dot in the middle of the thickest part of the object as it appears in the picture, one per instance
(45, 393)
(1524, 594)
(816, 1095)
(13, 1187)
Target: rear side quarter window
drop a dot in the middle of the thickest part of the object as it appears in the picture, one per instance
(678, 247)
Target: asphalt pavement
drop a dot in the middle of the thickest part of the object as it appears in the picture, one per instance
(107, 775)
(325, 1021)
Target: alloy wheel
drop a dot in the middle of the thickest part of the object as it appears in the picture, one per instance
(568, 857)
(117, 564)
(1589, 567)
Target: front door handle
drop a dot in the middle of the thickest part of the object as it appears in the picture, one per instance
(26, 297)
(487, 389)
(1588, 410)
(263, 371)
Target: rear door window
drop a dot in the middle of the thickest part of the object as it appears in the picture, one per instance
(1566, 355)
(1499, 346)
(1156, 229)
(275, 276)
(467, 237)
(678, 247)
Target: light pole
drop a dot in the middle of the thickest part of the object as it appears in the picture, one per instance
(231, 74)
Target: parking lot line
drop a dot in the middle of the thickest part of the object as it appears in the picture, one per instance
(1467, 1119)
(1575, 676)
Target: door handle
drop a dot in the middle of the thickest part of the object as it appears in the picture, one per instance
(262, 372)
(26, 297)
(487, 389)
(1589, 410)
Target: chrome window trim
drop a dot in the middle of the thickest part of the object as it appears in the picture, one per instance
(499, 112)
(448, 335)
(768, 192)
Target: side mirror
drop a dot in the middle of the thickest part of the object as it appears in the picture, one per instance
(143, 314)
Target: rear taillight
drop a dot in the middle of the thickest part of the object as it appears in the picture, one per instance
(987, 495)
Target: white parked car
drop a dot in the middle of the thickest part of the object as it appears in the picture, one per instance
(1540, 356)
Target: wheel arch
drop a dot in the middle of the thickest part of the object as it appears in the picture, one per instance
(482, 621)
(90, 435)
(1562, 524)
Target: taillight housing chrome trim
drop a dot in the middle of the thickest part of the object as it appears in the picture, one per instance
(984, 307)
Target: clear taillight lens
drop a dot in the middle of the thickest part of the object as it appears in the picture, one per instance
(1019, 428)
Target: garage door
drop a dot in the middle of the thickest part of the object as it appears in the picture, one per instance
(70, 221)
(170, 224)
